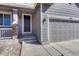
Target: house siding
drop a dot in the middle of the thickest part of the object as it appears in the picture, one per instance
(63, 9)
(5, 9)
(44, 24)
(36, 23)
(68, 31)
(44, 29)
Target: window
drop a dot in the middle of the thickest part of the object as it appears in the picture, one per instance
(5, 19)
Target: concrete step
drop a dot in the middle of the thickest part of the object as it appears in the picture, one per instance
(29, 38)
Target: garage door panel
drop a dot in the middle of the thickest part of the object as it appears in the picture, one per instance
(63, 31)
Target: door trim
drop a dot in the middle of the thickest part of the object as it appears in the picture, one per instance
(23, 23)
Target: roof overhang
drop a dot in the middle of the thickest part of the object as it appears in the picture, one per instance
(21, 5)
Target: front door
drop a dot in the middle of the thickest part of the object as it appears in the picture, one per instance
(27, 24)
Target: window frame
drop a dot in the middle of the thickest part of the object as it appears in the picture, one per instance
(3, 18)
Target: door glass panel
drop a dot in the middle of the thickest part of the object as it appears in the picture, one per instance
(1, 19)
(26, 23)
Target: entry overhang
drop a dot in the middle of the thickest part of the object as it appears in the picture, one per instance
(21, 5)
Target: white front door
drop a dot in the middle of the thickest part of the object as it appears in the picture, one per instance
(27, 23)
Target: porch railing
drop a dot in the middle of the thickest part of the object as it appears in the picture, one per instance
(5, 33)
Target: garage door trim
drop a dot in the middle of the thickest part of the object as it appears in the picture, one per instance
(58, 17)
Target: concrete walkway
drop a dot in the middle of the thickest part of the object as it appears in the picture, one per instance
(67, 48)
(38, 50)
(33, 50)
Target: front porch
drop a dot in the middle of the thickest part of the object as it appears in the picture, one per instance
(12, 32)
(20, 23)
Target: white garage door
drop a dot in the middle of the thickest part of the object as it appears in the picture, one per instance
(63, 30)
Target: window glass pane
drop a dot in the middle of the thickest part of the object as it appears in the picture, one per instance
(7, 19)
(1, 19)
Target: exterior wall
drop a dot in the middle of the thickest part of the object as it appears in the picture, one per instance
(5, 9)
(36, 23)
(67, 12)
(45, 24)
(20, 12)
(63, 9)
(45, 7)
(44, 29)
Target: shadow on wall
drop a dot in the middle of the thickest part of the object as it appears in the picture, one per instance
(45, 6)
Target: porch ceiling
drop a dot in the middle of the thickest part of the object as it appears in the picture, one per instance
(21, 5)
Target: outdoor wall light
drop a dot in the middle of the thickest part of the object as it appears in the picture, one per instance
(44, 21)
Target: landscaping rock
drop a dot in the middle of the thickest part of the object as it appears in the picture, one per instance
(9, 48)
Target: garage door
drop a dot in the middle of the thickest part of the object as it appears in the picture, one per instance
(63, 30)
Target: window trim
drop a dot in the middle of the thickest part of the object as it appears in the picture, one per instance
(3, 18)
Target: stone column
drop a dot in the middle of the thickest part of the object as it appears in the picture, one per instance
(15, 24)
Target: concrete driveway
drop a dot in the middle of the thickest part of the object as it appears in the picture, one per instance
(67, 48)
